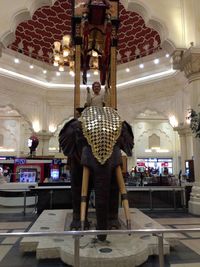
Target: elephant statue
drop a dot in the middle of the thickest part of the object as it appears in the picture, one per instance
(93, 144)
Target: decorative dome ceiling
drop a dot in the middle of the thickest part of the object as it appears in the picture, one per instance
(35, 37)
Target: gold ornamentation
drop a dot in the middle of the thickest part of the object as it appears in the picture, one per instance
(101, 127)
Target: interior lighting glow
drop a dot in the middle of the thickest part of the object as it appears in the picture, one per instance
(72, 73)
(162, 150)
(187, 118)
(127, 70)
(173, 121)
(148, 77)
(148, 150)
(16, 60)
(2, 149)
(61, 68)
(52, 128)
(9, 73)
(44, 71)
(36, 126)
(57, 73)
(156, 61)
(155, 147)
(52, 148)
(55, 63)
(31, 66)
(167, 55)
(141, 66)
(95, 72)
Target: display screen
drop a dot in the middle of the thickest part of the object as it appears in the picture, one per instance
(27, 175)
(55, 175)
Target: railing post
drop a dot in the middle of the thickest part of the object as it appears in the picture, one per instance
(51, 199)
(76, 251)
(150, 199)
(24, 193)
(160, 250)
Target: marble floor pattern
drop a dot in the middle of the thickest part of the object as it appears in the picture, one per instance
(184, 251)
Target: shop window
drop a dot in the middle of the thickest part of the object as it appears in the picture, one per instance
(154, 141)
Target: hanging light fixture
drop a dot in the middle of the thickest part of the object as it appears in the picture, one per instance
(63, 53)
(71, 68)
(94, 62)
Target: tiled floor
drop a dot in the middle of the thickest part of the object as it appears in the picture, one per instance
(184, 252)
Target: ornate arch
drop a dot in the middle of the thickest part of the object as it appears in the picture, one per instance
(13, 108)
(157, 24)
(21, 15)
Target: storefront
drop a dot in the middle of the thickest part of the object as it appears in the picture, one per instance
(163, 166)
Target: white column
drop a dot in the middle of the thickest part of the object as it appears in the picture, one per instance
(183, 151)
(189, 143)
(186, 145)
(43, 147)
(189, 62)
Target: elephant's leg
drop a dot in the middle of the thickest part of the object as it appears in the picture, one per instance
(76, 183)
(102, 195)
(122, 188)
(84, 193)
(114, 203)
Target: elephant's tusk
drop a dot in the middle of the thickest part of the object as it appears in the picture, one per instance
(122, 188)
(84, 192)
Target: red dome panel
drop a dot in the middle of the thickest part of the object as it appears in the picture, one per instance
(35, 37)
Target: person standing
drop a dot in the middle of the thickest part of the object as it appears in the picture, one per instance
(2, 177)
(97, 98)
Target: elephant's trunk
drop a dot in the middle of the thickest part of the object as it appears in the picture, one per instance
(102, 197)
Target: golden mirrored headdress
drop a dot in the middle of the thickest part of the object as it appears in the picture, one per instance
(101, 127)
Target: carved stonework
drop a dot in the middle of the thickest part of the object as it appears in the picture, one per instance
(154, 141)
(189, 62)
(194, 203)
(183, 130)
(177, 57)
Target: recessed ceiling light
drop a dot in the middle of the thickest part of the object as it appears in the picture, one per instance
(167, 55)
(55, 63)
(16, 60)
(156, 61)
(61, 68)
(31, 66)
(141, 66)
(95, 72)
(57, 73)
(72, 73)
(127, 70)
(44, 71)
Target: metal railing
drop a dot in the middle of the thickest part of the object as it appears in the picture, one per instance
(78, 234)
(24, 195)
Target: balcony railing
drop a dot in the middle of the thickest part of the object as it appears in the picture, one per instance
(79, 234)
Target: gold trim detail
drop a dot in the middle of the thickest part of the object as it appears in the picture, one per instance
(101, 127)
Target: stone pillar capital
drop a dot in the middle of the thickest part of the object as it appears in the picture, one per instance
(44, 135)
(188, 61)
(183, 130)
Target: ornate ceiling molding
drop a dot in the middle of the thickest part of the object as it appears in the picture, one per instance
(140, 34)
(20, 16)
(153, 22)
